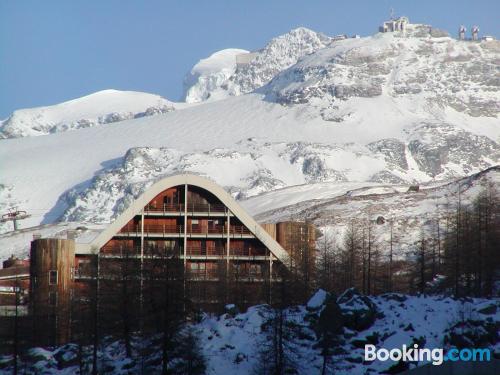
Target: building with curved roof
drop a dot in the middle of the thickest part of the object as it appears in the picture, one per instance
(186, 220)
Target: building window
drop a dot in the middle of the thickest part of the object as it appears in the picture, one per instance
(53, 298)
(195, 266)
(52, 277)
(169, 245)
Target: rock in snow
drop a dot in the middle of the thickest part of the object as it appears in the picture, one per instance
(359, 311)
(317, 300)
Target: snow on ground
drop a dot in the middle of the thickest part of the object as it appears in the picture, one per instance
(232, 343)
(99, 108)
(410, 212)
(401, 319)
(299, 193)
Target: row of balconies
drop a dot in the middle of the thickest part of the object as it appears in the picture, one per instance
(209, 275)
(197, 250)
(84, 271)
(178, 230)
(216, 274)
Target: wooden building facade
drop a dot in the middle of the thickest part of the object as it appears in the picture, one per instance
(183, 222)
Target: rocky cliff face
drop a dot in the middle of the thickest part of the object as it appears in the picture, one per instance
(208, 79)
(439, 71)
(228, 80)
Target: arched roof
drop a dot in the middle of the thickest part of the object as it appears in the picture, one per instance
(194, 180)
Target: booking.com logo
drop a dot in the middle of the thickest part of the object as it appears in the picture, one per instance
(416, 354)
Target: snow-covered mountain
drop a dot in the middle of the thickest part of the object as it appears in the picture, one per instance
(205, 80)
(99, 108)
(428, 68)
(218, 76)
(389, 109)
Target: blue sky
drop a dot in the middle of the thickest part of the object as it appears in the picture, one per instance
(51, 51)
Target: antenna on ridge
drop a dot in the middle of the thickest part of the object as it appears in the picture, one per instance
(14, 215)
(391, 14)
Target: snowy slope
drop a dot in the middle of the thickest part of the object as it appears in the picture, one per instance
(410, 212)
(99, 108)
(314, 122)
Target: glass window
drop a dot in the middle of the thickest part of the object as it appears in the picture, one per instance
(169, 244)
(52, 277)
(197, 266)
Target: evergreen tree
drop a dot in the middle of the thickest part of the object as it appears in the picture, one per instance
(330, 326)
(189, 359)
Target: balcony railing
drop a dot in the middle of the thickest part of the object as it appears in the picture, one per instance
(202, 274)
(198, 229)
(133, 251)
(206, 207)
(198, 274)
(154, 228)
(163, 228)
(239, 229)
(209, 208)
(169, 229)
(248, 252)
(247, 274)
(167, 207)
(193, 274)
(198, 250)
